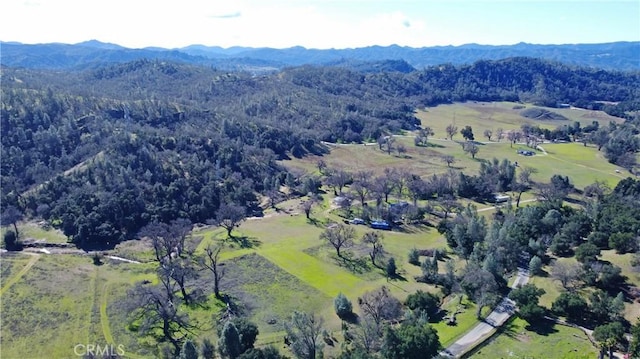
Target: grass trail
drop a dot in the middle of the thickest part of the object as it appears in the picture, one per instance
(23, 271)
(104, 318)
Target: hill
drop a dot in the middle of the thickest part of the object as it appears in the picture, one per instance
(621, 56)
(161, 135)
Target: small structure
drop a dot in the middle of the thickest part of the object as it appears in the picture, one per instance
(381, 225)
(526, 153)
(500, 198)
(342, 201)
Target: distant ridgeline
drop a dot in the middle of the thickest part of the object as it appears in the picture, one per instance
(622, 56)
(103, 150)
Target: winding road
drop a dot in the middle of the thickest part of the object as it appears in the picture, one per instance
(483, 330)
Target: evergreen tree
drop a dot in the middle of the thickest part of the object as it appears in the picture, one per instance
(229, 342)
(535, 265)
(391, 268)
(343, 306)
(189, 350)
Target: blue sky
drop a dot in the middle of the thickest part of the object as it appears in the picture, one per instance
(319, 23)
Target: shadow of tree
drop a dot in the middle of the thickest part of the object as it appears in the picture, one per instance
(351, 318)
(354, 264)
(542, 327)
(509, 328)
(246, 242)
(398, 277)
(315, 222)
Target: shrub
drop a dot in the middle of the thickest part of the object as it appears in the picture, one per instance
(343, 306)
(414, 257)
(535, 265)
(623, 242)
(426, 302)
(600, 239)
(587, 252)
(11, 242)
(207, 349)
(570, 305)
(391, 268)
(97, 258)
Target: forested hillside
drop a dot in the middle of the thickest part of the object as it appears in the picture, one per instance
(102, 152)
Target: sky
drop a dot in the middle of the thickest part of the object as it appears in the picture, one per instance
(320, 24)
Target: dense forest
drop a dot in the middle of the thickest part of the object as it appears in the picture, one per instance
(102, 152)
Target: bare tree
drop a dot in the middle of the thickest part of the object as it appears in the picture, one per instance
(174, 261)
(322, 165)
(362, 185)
(448, 159)
(368, 335)
(499, 133)
(425, 133)
(12, 215)
(155, 308)
(383, 185)
(417, 188)
(471, 148)
(229, 216)
(180, 270)
(448, 204)
(481, 286)
(168, 240)
(380, 305)
(337, 179)
(307, 206)
(400, 180)
(452, 130)
(513, 137)
(523, 183)
(339, 236)
(567, 274)
(600, 137)
(303, 332)
(375, 240)
(381, 141)
(212, 263)
(488, 133)
(389, 144)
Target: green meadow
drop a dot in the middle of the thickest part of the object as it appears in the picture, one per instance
(516, 340)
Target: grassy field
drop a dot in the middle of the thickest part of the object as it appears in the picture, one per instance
(632, 309)
(583, 164)
(30, 230)
(484, 115)
(51, 303)
(290, 243)
(45, 299)
(515, 340)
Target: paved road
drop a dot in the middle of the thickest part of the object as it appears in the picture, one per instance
(480, 332)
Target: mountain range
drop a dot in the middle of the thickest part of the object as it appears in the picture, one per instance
(623, 56)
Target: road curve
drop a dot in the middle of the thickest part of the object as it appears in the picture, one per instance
(482, 331)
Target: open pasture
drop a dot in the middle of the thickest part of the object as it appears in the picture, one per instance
(516, 340)
(506, 115)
